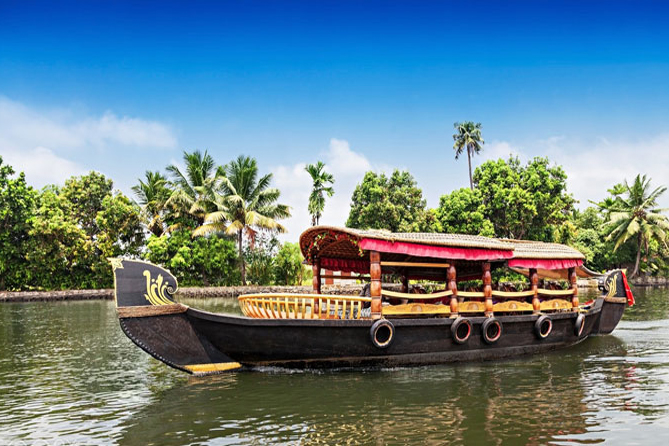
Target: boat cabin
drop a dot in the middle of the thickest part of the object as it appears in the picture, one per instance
(448, 259)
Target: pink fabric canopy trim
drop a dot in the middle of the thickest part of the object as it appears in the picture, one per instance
(346, 265)
(545, 263)
(438, 252)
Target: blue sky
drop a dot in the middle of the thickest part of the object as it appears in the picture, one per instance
(122, 87)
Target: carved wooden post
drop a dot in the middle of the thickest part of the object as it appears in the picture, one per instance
(375, 286)
(534, 280)
(453, 286)
(316, 281)
(487, 288)
(574, 287)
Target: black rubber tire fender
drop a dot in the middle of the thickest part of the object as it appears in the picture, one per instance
(579, 324)
(540, 326)
(386, 329)
(456, 326)
(491, 324)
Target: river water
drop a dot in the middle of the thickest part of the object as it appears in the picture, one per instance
(68, 375)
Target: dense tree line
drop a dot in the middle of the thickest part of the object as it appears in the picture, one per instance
(511, 200)
(216, 224)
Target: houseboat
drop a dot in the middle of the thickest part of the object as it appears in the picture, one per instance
(460, 316)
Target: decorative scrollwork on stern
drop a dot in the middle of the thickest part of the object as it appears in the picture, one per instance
(158, 290)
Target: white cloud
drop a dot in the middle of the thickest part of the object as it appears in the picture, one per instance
(42, 166)
(593, 166)
(497, 149)
(348, 168)
(45, 144)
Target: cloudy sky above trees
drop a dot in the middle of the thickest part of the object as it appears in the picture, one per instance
(122, 88)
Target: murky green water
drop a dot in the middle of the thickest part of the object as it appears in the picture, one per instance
(69, 376)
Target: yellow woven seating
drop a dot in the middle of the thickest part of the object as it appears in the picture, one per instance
(543, 292)
(412, 296)
(512, 294)
(512, 306)
(414, 309)
(471, 307)
(302, 306)
(556, 304)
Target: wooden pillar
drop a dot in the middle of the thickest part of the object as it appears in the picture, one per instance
(534, 280)
(316, 281)
(453, 287)
(405, 284)
(375, 286)
(487, 288)
(574, 287)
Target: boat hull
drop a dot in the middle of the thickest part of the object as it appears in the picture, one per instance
(205, 337)
(201, 342)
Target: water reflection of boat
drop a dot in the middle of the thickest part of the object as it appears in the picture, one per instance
(317, 330)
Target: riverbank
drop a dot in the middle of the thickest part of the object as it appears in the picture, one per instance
(185, 292)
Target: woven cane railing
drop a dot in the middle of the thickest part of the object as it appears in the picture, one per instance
(304, 306)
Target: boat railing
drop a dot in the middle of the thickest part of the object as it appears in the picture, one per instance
(304, 306)
(325, 306)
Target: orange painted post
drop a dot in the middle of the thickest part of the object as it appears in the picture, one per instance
(487, 288)
(574, 287)
(453, 287)
(375, 286)
(534, 280)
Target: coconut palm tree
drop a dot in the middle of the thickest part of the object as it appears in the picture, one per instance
(194, 189)
(634, 214)
(153, 196)
(320, 187)
(468, 136)
(244, 204)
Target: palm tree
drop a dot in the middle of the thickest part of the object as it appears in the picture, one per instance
(320, 180)
(153, 196)
(244, 204)
(634, 213)
(468, 136)
(194, 191)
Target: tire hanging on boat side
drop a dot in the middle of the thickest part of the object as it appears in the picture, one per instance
(543, 327)
(382, 333)
(579, 325)
(461, 328)
(491, 330)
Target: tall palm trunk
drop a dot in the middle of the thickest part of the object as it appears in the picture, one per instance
(638, 256)
(469, 158)
(241, 256)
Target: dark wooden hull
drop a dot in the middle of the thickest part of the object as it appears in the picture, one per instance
(200, 342)
(197, 337)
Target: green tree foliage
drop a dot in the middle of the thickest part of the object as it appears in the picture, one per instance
(17, 203)
(468, 137)
(260, 258)
(152, 196)
(394, 203)
(463, 212)
(319, 189)
(524, 202)
(288, 266)
(75, 229)
(194, 190)
(195, 261)
(244, 204)
(632, 213)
